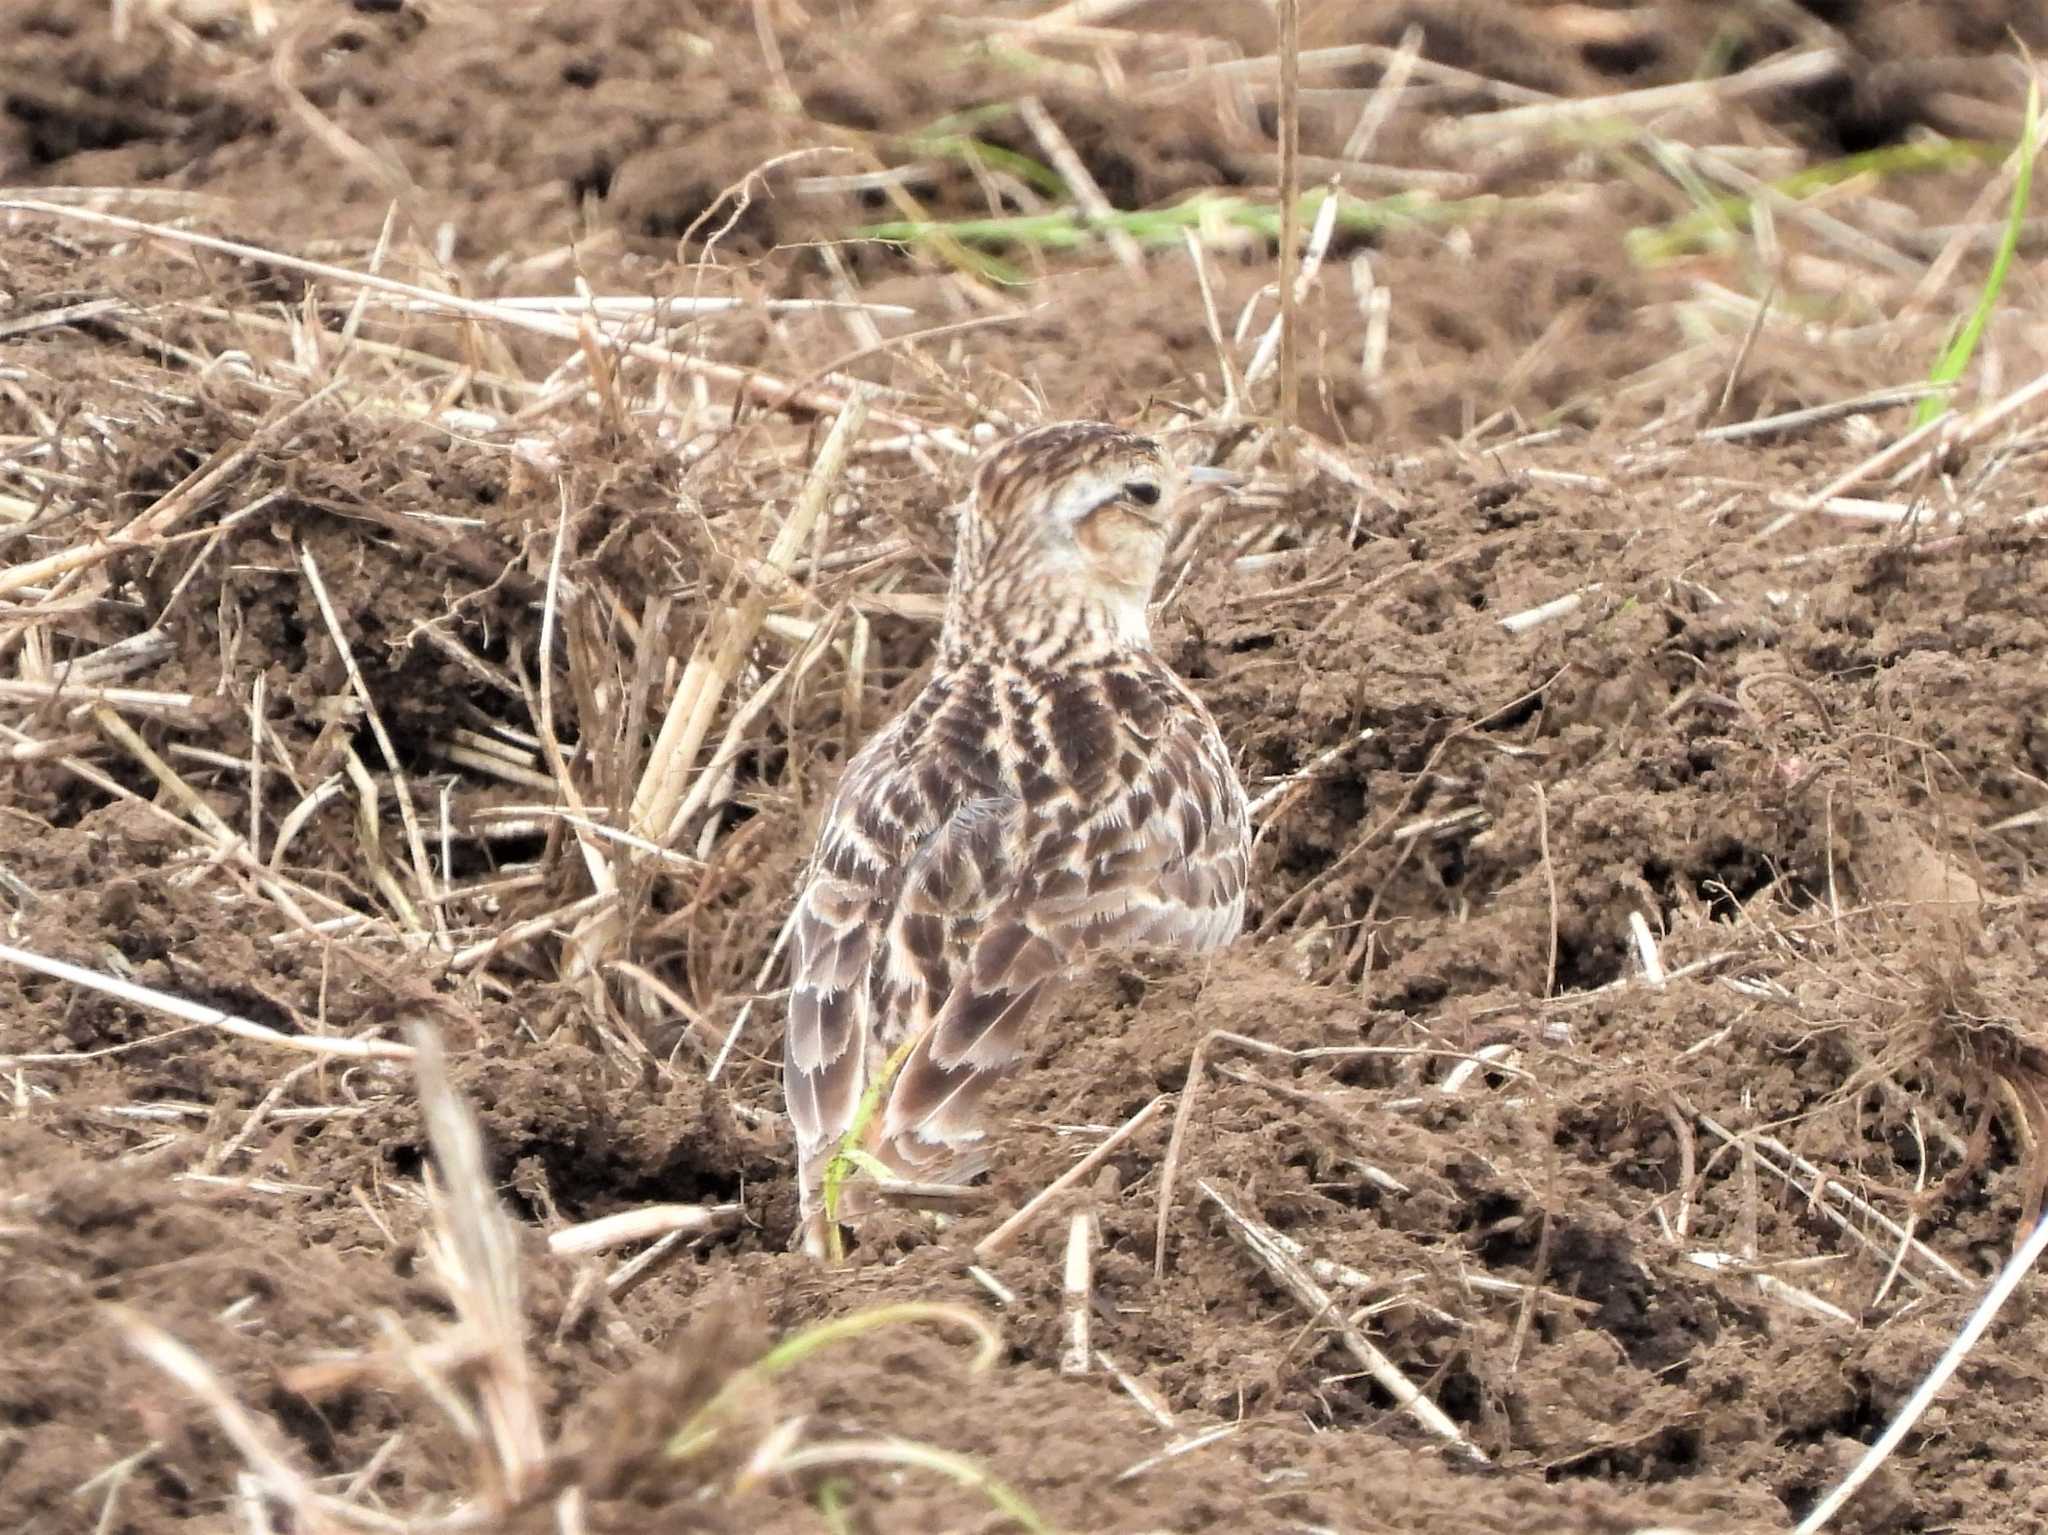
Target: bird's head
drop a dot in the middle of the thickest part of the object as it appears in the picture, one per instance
(1067, 525)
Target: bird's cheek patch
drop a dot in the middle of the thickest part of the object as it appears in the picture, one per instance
(1124, 547)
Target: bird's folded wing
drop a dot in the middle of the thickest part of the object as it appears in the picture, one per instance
(909, 863)
(1162, 860)
(854, 878)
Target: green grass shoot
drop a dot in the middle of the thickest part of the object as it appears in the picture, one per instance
(1211, 215)
(703, 1425)
(832, 1499)
(967, 149)
(850, 1157)
(902, 1452)
(1707, 228)
(1955, 357)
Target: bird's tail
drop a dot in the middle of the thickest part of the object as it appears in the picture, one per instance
(908, 1157)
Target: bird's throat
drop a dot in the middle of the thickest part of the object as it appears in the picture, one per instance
(1052, 621)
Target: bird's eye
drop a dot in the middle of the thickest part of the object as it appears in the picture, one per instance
(1144, 492)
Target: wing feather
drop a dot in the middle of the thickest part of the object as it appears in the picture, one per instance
(956, 885)
(831, 1008)
(911, 855)
(1159, 858)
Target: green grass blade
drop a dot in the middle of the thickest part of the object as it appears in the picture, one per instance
(957, 1468)
(703, 1425)
(1700, 230)
(850, 1158)
(1955, 357)
(800, 1346)
(832, 1496)
(964, 147)
(1208, 213)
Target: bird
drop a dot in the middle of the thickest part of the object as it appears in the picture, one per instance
(1052, 791)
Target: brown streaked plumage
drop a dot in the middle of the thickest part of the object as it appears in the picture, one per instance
(1054, 790)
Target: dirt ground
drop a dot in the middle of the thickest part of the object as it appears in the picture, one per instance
(1666, 1249)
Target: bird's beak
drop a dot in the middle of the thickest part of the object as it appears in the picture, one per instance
(1203, 474)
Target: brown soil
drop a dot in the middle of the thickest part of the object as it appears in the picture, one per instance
(1791, 752)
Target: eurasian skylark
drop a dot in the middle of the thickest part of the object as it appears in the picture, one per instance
(1053, 791)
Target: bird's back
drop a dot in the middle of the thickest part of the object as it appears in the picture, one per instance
(1017, 815)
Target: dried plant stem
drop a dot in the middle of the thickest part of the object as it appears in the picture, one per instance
(749, 381)
(594, 938)
(1307, 773)
(642, 1225)
(423, 871)
(2016, 1269)
(1646, 948)
(1060, 151)
(1346, 54)
(227, 842)
(475, 1251)
(533, 927)
(1941, 270)
(1272, 345)
(1547, 612)
(255, 1442)
(1550, 884)
(1233, 383)
(1147, 1399)
(1290, 214)
(739, 1022)
(1183, 1446)
(1385, 96)
(1771, 1286)
(1820, 1193)
(1176, 1142)
(1781, 73)
(1884, 458)
(165, 512)
(1078, 1292)
(1257, 1239)
(1817, 415)
(192, 1012)
(725, 643)
(706, 782)
(1074, 13)
(1825, 1186)
(65, 690)
(1979, 423)
(1032, 1208)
